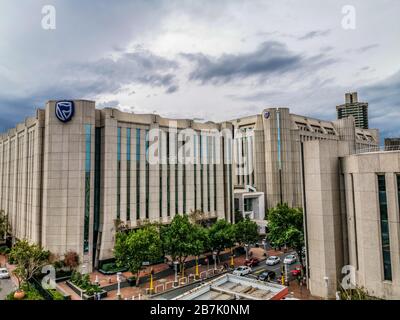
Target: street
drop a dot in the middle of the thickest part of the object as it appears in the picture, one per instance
(262, 267)
(6, 286)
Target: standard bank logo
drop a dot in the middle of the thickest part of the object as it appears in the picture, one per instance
(65, 110)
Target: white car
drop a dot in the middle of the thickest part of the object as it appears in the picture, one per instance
(242, 271)
(273, 260)
(290, 259)
(4, 273)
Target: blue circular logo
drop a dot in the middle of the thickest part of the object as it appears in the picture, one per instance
(65, 110)
(267, 114)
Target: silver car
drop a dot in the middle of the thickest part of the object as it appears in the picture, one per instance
(4, 273)
(273, 260)
(242, 271)
(290, 259)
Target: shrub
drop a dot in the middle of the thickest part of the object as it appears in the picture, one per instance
(30, 293)
(56, 295)
(4, 250)
(71, 260)
(83, 282)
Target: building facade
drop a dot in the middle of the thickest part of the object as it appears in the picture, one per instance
(69, 185)
(268, 151)
(352, 107)
(392, 144)
(352, 219)
(71, 176)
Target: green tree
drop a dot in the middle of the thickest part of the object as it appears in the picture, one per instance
(286, 227)
(4, 226)
(133, 248)
(246, 231)
(357, 293)
(29, 258)
(182, 239)
(221, 236)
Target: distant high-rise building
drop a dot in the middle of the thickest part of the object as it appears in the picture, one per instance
(392, 144)
(351, 107)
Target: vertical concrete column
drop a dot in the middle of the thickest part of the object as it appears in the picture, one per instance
(322, 187)
(64, 186)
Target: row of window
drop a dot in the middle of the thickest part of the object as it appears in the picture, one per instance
(147, 174)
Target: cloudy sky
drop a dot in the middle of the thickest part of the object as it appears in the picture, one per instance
(212, 60)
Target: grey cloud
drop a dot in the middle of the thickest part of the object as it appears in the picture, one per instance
(108, 104)
(384, 104)
(314, 34)
(270, 58)
(367, 48)
(172, 89)
(141, 67)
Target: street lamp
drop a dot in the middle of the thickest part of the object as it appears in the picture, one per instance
(326, 279)
(119, 285)
(208, 263)
(84, 268)
(197, 266)
(246, 247)
(286, 273)
(232, 261)
(176, 273)
(264, 243)
(215, 259)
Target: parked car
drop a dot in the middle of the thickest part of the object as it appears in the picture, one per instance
(290, 259)
(4, 273)
(242, 271)
(296, 272)
(273, 260)
(252, 262)
(267, 276)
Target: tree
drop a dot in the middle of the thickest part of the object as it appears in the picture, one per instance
(133, 248)
(357, 293)
(181, 239)
(197, 217)
(71, 260)
(221, 236)
(29, 258)
(286, 227)
(238, 216)
(246, 232)
(4, 226)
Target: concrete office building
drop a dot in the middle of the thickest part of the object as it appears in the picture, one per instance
(352, 218)
(71, 174)
(352, 107)
(268, 152)
(392, 144)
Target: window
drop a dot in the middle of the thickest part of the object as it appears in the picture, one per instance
(385, 237)
(128, 174)
(97, 179)
(147, 174)
(195, 170)
(88, 143)
(184, 174)
(201, 174)
(215, 173)
(118, 173)
(138, 174)
(208, 173)
(248, 204)
(176, 177)
(168, 178)
(160, 171)
(398, 190)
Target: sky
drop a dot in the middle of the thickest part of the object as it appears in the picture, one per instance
(208, 60)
